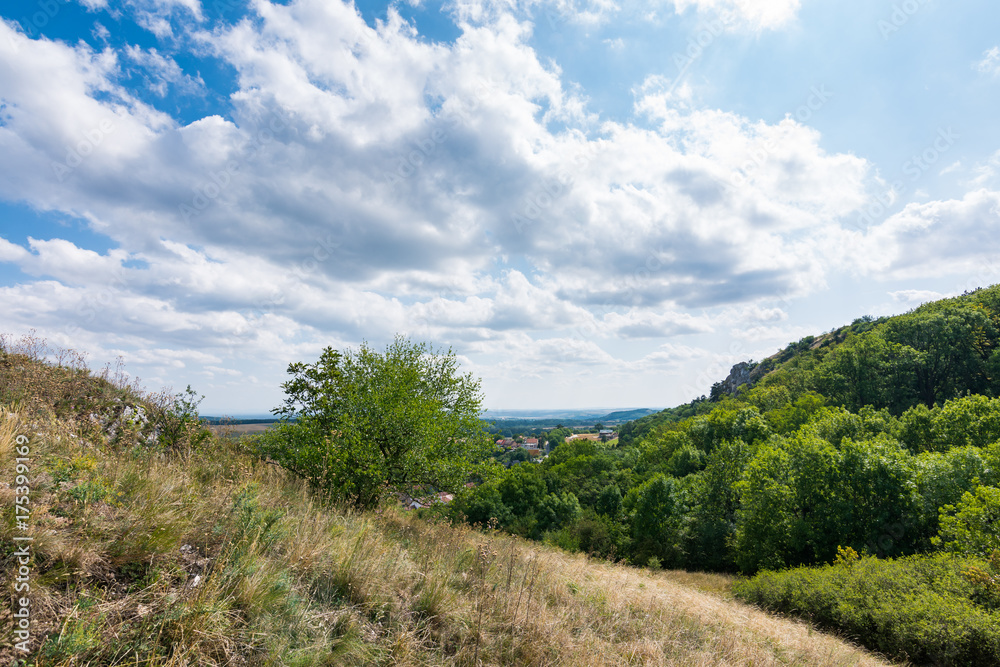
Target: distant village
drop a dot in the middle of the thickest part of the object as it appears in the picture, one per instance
(536, 453)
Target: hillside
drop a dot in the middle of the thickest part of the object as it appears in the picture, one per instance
(939, 350)
(155, 543)
(854, 476)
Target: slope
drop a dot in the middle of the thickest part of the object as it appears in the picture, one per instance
(154, 543)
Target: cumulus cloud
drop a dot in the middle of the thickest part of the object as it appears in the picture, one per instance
(935, 238)
(160, 72)
(914, 297)
(367, 180)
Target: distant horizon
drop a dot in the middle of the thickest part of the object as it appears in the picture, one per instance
(502, 412)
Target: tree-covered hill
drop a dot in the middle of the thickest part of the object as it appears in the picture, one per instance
(879, 439)
(940, 350)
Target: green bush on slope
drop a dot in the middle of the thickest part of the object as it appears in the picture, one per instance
(919, 608)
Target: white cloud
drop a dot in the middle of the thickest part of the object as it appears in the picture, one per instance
(369, 181)
(986, 173)
(938, 238)
(161, 71)
(651, 324)
(667, 356)
(990, 64)
(159, 16)
(914, 297)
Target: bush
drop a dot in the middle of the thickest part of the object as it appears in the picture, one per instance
(361, 424)
(917, 608)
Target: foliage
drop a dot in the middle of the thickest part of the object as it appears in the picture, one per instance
(163, 557)
(972, 526)
(924, 609)
(659, 511)
(369, 423)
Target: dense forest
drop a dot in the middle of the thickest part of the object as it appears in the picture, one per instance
(875, 441)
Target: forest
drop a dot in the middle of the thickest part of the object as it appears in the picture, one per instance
(868, 456)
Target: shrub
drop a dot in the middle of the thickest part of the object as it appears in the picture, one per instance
(917, 608)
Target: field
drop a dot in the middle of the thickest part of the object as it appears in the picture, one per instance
(237, 430)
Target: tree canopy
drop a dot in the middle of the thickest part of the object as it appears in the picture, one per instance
(359, 424)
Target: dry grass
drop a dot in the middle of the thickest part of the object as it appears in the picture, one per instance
(208, 557)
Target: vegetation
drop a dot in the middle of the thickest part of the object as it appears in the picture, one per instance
(855, 482)
(923, 609)
(361, 424)
(881, 438)
(156, 550)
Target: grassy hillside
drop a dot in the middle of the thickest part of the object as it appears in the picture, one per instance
(155, 543)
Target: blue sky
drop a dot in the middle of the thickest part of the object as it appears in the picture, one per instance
(593, 202)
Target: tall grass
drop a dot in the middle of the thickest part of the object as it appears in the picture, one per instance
(206, 556)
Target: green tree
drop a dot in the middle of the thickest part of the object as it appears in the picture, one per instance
(659, 513)
(717, 502)
(766, 493)
(971, 526)
(555, 511)
(953, 347)
(482, 505)
(685, 461)
(361, 424)
(870, 370)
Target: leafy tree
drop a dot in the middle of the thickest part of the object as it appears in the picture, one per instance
(763, 518)
(599, 536)
(971, 527)
(685, 461)
(970, 420)
(877, 485)
(522, 489)
(870, 370)
(789, 417)
(360, 424)
(717, 502)
(952, 348)
(556, 510)
(482, 505)
(917, 428)
(659, 511)
(609, 502)
(943, 478)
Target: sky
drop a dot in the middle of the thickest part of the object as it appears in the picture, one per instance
(593, 203)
